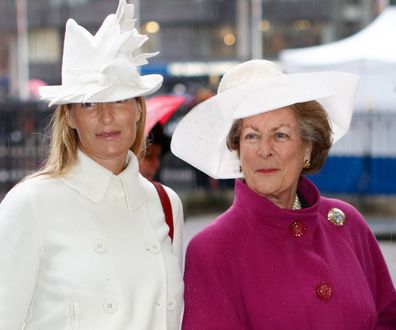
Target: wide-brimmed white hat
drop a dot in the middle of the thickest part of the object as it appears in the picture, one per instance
(248, 89)
(103, 67)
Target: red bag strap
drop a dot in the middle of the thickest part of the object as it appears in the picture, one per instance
(166, 206)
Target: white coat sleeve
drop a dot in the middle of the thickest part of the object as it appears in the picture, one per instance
(178, 239)
(19, 258)
(178, 223)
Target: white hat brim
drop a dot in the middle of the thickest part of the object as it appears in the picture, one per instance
(200, 137)
(60, 94)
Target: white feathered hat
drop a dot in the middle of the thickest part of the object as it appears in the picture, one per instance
(248, 89)
(103, 67)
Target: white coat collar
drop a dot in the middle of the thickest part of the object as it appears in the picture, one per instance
(93, 180)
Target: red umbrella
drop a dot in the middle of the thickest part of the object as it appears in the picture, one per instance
(161, 108)
(34, 85)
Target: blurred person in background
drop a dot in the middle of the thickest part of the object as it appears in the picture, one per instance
(282, 256)
(84, 240)
(157, 145)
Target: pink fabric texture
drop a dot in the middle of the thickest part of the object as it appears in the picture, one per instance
(251, 269)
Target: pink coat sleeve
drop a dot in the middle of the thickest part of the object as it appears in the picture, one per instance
(381, 286)
(209, 303)
(374, 266)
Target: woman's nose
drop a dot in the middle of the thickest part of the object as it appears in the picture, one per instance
(265, 149)
(105, 112)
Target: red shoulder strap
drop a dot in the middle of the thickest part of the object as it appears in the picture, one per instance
(166, 206)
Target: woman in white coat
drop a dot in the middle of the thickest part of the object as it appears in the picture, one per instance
(84, 243)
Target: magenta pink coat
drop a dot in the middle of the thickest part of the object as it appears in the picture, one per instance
(261, 267)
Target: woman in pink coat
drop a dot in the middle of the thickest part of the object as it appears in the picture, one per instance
(282, 256)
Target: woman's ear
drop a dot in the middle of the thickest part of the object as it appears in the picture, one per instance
(308, 151)
(69, 118)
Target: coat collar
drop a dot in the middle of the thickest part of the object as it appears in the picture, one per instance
(245, 196)
(260, 210)
(94, 181)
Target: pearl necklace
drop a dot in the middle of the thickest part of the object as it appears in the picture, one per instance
(297, 204)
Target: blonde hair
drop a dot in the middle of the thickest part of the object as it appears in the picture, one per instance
(62, 153)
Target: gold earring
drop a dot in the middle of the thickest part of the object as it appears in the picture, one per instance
(307, 164)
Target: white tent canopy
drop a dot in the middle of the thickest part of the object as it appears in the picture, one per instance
(371, 53)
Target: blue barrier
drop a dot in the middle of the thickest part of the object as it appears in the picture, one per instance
(357, 175)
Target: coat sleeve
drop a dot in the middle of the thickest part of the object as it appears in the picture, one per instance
(208, 297)
(178, 224)
(382, 286)
(377, 274)
(19, 258)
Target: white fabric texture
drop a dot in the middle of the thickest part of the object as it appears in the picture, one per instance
(90, 251)
(103, 67)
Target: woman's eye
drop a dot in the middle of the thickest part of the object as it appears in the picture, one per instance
(120, 102)
(251, 136)
(88, 105)
(280, 135)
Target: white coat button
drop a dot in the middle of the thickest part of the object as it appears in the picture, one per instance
(110, 305)
(171, 303)
(154, 248)
(158, 304)
(100, 246)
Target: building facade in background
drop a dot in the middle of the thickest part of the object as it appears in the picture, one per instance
(195, 38)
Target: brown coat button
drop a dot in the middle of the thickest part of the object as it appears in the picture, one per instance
(297, 228)
(324, 291)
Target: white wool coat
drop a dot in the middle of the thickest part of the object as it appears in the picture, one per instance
(89, 251)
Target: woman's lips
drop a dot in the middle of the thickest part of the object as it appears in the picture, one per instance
(107, 136)
(267, 170)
